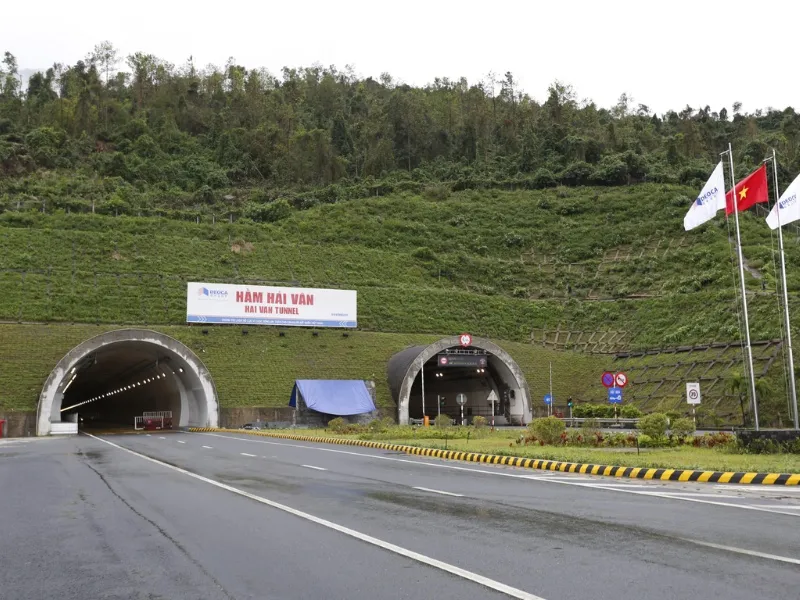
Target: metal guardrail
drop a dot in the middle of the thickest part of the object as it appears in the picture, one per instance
(570, 422)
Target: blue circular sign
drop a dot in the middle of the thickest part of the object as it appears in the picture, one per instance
(608, 379)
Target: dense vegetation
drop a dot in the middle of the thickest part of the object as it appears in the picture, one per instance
(498, 264)
(156, 136)
(454, 206)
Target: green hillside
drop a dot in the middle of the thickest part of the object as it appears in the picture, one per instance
(259, 369)
(500, 264)
(453, 206)
(532, 267)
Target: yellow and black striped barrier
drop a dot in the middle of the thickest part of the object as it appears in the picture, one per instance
(545, 465)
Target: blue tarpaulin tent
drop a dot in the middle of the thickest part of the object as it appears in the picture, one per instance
(333, 396)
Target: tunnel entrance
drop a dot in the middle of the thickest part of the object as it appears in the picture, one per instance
(110, 379)
(427, 380)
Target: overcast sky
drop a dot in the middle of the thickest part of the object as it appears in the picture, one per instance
(664, 54)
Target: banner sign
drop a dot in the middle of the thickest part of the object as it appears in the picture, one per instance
(259, 305)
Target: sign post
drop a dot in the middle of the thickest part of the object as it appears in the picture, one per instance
(694, 398)
(615, 395)
(462, 400)
(493, 399)
(607, 379)
(548, 400)
(620, 380)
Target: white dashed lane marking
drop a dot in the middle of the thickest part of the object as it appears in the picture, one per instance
(424, 489)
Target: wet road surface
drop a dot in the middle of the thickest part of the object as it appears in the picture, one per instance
(235, 516)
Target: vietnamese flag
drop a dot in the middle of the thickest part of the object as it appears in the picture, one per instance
(749, 191)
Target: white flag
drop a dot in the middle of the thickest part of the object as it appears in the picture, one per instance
(787, 209)
(710, 200)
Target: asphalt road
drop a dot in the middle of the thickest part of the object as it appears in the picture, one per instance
(237, 516)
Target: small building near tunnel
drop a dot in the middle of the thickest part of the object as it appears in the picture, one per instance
(435, 375)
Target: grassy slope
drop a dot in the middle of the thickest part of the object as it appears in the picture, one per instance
(260, 368)
(497, 264)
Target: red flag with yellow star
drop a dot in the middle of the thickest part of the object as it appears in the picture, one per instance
(749, 191)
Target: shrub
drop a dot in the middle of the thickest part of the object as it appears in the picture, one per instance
(424, 253)
(436, 192)
(544, 179)
(268, 213)
(654, 425)
(442, 421)
(548, 429)
(338, 425)
(381, 425)
(683, 427)
(479, 422)
(645, 441)
(712, 440)
(629, 411)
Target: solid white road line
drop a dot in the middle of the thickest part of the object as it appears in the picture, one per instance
(421, 558)
(698, 494)
(423, 489)
(209, 447)
(597, 486)
(246, 454)
(786, 506)
(162, 438)
(181, 442)
(786, 559)
(313, 467)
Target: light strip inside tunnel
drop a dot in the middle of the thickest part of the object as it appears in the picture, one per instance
(107, 394)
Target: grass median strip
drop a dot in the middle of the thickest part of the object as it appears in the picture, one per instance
(674, 464)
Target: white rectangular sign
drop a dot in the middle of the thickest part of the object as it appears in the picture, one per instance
(693, 393)
(260, 305)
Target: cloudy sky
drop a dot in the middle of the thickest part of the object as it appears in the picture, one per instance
(663, 54)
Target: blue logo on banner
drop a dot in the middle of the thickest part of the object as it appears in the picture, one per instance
(615, 395)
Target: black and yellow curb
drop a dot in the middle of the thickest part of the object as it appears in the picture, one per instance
(545, 465)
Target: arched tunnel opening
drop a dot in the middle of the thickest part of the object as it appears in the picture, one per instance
(476, 375)
(109, 381)
(429, 381)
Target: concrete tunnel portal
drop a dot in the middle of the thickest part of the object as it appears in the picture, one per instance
(109, 379)
(480, 371)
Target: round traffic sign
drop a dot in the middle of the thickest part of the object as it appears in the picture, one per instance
(607, 379)
(461, 399)
(443, 360)
(694, 394)
(621, 379)
(465, 339)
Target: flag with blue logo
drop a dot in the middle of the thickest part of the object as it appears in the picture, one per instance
(710, 200)
(787, 209)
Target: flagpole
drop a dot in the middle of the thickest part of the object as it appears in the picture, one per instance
(792, 387)
(744, 291)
